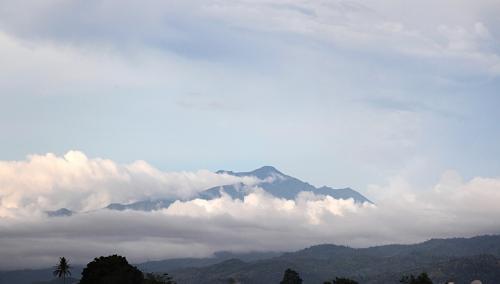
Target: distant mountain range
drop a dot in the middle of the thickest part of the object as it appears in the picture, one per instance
(460, 260)
(272, 181)
(281, 185)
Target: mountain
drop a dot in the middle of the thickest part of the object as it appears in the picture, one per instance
(63, 212)
(272, 181)
(179, 263)
(38, 276)
(145, 205)
(459, 259)
(467, 269)
(282, 186)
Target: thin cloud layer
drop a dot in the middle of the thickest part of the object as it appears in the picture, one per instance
(197, 228)
(455, 31)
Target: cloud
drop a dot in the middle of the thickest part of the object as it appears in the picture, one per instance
(458, 31)
(403, 213)
(48, 182)
(307, 208)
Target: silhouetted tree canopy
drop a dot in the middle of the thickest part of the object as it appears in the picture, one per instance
(62, 269)
(423, 278)
(338, 280)
(291, 277)
(112, 269)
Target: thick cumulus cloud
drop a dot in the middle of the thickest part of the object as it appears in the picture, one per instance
(196, 228)
(49, 182)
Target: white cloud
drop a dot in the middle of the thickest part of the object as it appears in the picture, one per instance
(307, 208)
(403, 213)
(49, 182)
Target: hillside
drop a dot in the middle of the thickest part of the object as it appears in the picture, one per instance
(444, 259)
(457, 259)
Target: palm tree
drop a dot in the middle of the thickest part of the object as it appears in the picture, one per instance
(62, 269)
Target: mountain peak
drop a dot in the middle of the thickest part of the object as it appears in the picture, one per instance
(267, 169)
(265, 172)
(224, 172)
(261, 173)
(59, 212)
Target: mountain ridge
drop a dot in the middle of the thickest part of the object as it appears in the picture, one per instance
(282, 186)
(457, 259)
(454, 259)
(271, 180)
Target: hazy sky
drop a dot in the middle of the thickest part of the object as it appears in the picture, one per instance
(381, 96)
(343, 93)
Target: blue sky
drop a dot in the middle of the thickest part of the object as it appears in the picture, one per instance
(342, 93)
(396, 99)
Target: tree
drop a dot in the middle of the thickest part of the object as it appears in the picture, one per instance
(152, 278)
(62, 269)
(291, 277)
(113, 269)
(338, 280)
(423, 278)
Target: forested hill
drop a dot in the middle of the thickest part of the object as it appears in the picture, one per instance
(459, 259)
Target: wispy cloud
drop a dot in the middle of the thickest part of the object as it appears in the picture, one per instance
(215, 28)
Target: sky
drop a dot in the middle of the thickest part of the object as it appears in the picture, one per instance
(113, 101)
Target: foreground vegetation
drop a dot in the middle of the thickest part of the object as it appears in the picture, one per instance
(115, 269)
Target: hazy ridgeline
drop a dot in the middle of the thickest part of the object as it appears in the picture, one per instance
(460, 260)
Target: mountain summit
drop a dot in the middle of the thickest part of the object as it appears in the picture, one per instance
(271, 180)
(281, 185)
(261, 173)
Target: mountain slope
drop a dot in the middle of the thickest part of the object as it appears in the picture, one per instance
(282, 186)
(273, 181)
(180, 263)
(458, 259)
(444, 259)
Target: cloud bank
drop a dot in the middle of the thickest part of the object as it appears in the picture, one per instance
(260, 222)
(49, 182)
